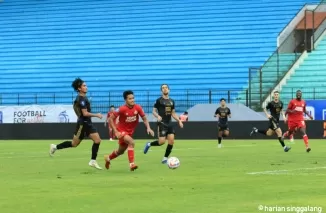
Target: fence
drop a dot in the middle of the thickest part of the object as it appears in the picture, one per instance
(100, 102)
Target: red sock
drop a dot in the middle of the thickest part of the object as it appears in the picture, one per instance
(131, 154)
(113, 155)
(305, 140)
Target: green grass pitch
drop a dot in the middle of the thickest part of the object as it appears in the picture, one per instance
(235, 179)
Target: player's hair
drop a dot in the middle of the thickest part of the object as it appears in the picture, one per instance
(222, 99)
(276, 92)
(165, 85)
(77, 83)
(298, 91)
(111, 106)
(126, 93)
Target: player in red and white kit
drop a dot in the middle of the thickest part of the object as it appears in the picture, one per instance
(128, 120)
(295, 111)
(111, 133)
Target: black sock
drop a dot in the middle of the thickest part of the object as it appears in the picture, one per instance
(95, 148)
(219, 140)
(281, 141)
(262, 131)
(64, 145)
(155, 143)
(168, 150)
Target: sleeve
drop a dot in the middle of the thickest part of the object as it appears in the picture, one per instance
(82, 103)
(217, 111)
(268, 105)
(117, 112)
(173, 106)
(157, 103)
(229, 111)
(140, 111)
(290, 106)
(281, 105)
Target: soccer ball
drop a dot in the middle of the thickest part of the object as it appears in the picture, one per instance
(173, 162)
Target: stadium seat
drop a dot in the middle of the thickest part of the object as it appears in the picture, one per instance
(137, 45)
(304, 77)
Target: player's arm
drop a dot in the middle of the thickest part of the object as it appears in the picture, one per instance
(175, 116)
(289, 109)
(145, 120)
(229, 113)
(85, 113)
(155, 111)
(268, 107)
(112, 120)
(217, 113)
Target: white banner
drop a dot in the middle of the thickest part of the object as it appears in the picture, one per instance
(37, 114)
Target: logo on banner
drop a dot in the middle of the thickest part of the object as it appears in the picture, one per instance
(63, 117)
(29, 116)
(311, 111)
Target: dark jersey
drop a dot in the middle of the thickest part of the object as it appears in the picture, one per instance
(275, 109)
(223, 112)
(164, 108)
(82, 102)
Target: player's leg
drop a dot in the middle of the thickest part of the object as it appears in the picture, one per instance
(302, 130)
(278, 132)
(162, 134)
(256, 130)
(116, 153)
(111, 133)
(93, 134)
(219, 137)
(78, 137)
(131, 152)
(169, 147)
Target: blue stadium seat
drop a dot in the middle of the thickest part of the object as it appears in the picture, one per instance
(118, 45)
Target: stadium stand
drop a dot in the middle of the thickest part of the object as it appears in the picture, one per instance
(304, 77)
(118, 45)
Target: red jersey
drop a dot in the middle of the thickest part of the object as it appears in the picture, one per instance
(109, 115)
(129, 118)
(299, 108)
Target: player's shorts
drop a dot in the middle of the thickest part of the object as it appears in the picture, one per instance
(164, 131)
(293, 125)
(273, 124)
(223, 127)
(84, 129)
(121, 139)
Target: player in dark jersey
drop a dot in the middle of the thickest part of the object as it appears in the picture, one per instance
(222, 113)
(276, 109)
(84, 127)
(164, 109)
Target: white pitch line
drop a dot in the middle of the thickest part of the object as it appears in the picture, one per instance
(284, 171)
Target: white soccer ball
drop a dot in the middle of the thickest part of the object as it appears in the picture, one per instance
(173, 162)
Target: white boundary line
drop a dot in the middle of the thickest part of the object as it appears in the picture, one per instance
(273, 172)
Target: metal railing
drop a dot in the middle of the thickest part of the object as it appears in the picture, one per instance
(100, 102)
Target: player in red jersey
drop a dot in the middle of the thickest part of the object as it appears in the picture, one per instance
(295, 111)
(128, 120)
(111, 132)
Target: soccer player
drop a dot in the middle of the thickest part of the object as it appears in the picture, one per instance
(85, 127)
(222, 113)
(128, 120)
(111, 133)
(276, 109)
(164, 108)
(295, 111)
